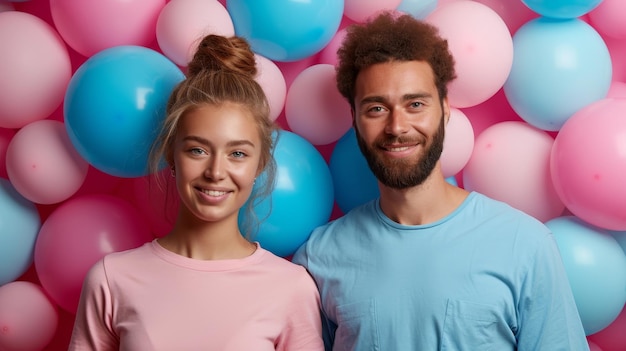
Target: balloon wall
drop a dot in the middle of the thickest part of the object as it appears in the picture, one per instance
(538, 121)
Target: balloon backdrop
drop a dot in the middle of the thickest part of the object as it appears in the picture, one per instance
(361, 10)
(19, 225)
(596, 268)
(302, 198)
(417, 8)
(24, 308)
(89, 26)
(43, 165)
(559, 67)
(588, 164)
(608, 18)
(114, 104)
(31, 88)
(458, 143)
(79, 233)
(6, 135)
(563, 9)
(271, 79)
(286, 30)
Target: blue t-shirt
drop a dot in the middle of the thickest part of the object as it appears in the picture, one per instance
(486, 277)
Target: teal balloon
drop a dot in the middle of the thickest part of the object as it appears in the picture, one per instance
(596, 268)
(355, 184)
(114, 105)
(564, 9)
(286, 30)
(559, 67)
(302, 198)
(19, 227)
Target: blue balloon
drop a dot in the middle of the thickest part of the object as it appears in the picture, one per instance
(564, 9)
(418, 8)
(596, 268)
(286, 30)
(301, 200)
(19, 227)
(114, 105)
(559, 67)
(355, 184)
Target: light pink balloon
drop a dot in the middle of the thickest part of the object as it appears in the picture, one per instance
(89, 26)
(314, 108)
(513, 13)
(329, 52)
(511, 163)
(6, 135)
(35, 69)
(617, 90)
(608, 18)
(28, 319)
(458, 143)
(588, 164)
(360, 10)
(183, 23)
(271, 79)
(78, 233)
(42, 163)
(482, 47)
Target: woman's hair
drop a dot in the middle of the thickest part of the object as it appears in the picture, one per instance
(388, 38)
(222, 70)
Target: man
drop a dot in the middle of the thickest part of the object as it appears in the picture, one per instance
(428, 266)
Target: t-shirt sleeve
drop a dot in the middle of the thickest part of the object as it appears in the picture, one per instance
(93, 327)
(549, 317)
(304, 326)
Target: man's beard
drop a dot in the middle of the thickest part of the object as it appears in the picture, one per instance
(402, 173)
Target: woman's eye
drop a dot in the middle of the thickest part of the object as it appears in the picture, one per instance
(238, 154)
(196, 151)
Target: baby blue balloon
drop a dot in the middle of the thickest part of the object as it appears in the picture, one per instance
(302, 198)
(596, 268)
(355, 184)
(559, 66)
(564, 9)
(286, 30)
(19, 227)
(114, 105)
(418, 8)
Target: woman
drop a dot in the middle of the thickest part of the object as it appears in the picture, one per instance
(204, 286)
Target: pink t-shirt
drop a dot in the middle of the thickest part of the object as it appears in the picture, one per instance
(152, 299)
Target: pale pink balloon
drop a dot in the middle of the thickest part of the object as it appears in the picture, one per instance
(42, 163)
(482, 47)
(588, 164)
(6, 135)
(76, 235)
(617, 90)
(28, 318)
(458, 143)
(513, 13)
(271, 79)
(314, 109)
(89, 26)
(608, 18)
(183, 23)
(511, 163)
(360, 10)
(35, 69)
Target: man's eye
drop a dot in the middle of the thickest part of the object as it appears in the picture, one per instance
(416, 104)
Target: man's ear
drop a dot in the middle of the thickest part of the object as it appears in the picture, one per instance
(446, 109)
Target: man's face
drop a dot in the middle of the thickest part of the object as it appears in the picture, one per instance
(399, 121)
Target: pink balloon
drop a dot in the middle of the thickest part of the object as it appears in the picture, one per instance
(6, 135)
(89, 26)
(612, 338)
(514, 13)
(482, 47)
(157, 202)
(315, 109)
(273, 83)
(98, 182)
(617, 90)
(360, 10)
(183, 23)
(42, 163)
(28, 319)
(608, 18)
(6, 6)
(495, 109)
(458, 143)
(35, 69)
(588, 164)
(617, 50)
(511, 163)
(329, 53)
(76, 235)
